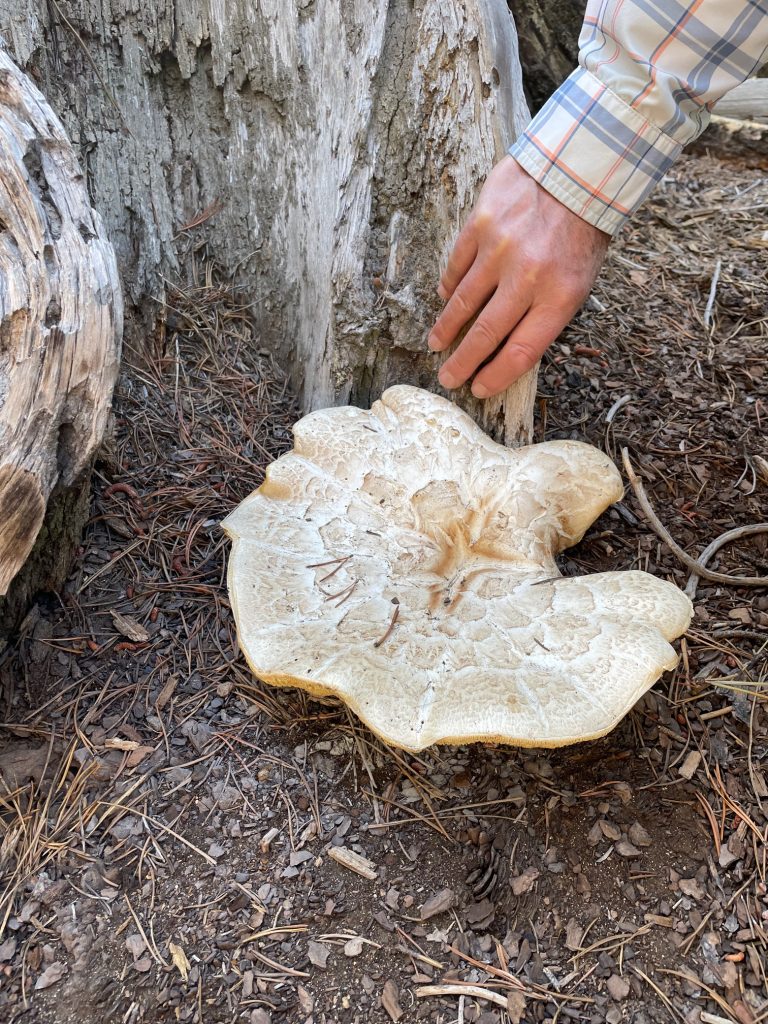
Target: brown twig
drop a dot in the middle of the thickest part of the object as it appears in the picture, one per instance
(662, 532)
(719, 542)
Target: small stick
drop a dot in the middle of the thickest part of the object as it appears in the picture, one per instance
(693, 980)
(266, 840)
(711, 299)
(276, 966)
(686, 946)
(724, 538)
(392, 622)
(475, 991)
(716, 714)
(618, 404)
(354, 862)
(151, 947)
(674, 547)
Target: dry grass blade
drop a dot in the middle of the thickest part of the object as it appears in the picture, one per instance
(529, 988)
(674, 1013)
(40, 821)
(715, 996)
(289, 971)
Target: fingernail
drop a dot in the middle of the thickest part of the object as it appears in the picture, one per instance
(442, 292)
(447, 379)
(480, 391)
(433, 343)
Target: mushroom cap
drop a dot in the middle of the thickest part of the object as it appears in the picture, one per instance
(399, 559)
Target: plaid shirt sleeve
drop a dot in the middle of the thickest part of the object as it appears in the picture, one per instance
(649, 72)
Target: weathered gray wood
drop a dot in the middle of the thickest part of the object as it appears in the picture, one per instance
(330, 148)
(747, 102)
(726, 136)
(60, 326)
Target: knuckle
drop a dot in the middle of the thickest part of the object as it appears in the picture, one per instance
(572, 292)
(463, 361)
(461, 303)
(482, 334)
(524, 353)
(461, 369)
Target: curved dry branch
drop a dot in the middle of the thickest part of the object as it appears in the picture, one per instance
(698, 567)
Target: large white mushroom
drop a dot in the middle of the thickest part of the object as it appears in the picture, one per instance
(399, 559)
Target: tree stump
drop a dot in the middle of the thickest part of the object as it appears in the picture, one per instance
(60, 333)
(549, 43)
(325, 154)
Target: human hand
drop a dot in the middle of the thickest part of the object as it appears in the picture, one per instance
(524, 263)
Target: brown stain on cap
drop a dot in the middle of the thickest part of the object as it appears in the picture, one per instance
(22, 510)
(278, 490)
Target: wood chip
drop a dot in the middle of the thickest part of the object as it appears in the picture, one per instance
(758, 782)
(51, 975)
(306, 999)
(626, 849)
(166, 693)
(135, 945)
(688, 768)
(180, 961)
(692, 887)
(390, 997)
(618, 987)
(137, 755)
(573, 933)
(266, 840)
(609, 830)
(515, 1007)
(438, 904)
(115, 743)
(659, 919)
(524, 882)
(638, 835)
(353, 861)
(7, 950)
(127, 626)
(623, 791)
(318, 953)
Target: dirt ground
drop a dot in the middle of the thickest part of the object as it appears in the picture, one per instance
(168, 822)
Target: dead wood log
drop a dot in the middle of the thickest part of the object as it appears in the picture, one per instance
(747, 102)
(60, 333)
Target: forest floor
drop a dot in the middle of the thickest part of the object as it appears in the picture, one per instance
(167, 820)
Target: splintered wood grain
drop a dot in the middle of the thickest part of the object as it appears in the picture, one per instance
(60, 317)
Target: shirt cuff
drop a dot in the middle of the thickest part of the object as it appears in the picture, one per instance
(593, 152)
